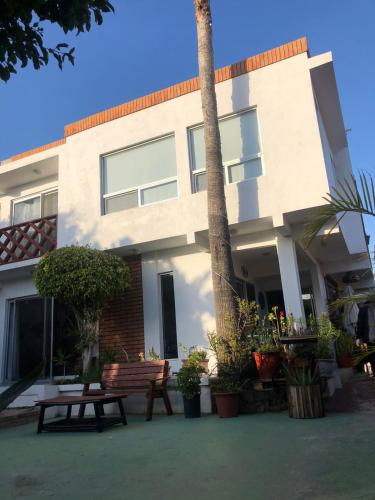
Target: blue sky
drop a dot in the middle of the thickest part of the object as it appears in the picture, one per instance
(150, 44)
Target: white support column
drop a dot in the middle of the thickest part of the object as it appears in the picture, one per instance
(290, 280)
(319, 289)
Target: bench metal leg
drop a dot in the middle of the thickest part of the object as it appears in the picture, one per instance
(69, 412)
(122, 412)
(81, 412)
(99, 426)
(41, 419)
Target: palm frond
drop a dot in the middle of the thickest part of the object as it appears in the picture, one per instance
(352, 299)
(347, 197)
(363, 355)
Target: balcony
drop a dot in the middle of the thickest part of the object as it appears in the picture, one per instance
(28, 240)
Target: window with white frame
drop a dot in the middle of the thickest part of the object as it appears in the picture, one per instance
(139, 175)
(240, 147)
(35, 206)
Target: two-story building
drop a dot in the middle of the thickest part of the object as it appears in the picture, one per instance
(131, 180)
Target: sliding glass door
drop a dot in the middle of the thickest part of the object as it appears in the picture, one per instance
(38, 329)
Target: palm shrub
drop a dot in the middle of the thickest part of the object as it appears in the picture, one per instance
(233, 350)
(327, 334)
(345, 344)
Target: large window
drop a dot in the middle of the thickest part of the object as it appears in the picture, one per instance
(34, 207)
(139, 175)
(168, 316)
(240, 148)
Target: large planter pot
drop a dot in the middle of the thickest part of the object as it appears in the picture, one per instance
(266, 363)
(228, 404)
(345, 360)
(325, 367)
(192, 407)
(305, 401)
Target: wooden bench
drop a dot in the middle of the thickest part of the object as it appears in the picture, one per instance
(143, 377)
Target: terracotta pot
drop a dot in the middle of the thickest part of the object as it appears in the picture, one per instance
(345, 360)
(266, 363)
(227, 404)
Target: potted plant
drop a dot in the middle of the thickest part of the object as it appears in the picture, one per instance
(327, 334)
(188, 382)
(345, 345)
(233, 353)
(226, 391)
(304, 393)
(267, 349)
(267, 359)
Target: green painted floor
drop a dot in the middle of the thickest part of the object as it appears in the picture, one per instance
(265, 457)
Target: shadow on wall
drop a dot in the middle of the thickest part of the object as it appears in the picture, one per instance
(248, 202)
(192, 286)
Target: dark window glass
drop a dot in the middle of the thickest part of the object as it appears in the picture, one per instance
(250, 292)
(169, 316)
(30, 335)
(28, 339)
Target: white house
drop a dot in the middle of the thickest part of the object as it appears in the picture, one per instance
(131, 180)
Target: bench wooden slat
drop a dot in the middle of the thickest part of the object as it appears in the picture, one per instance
(137, 364)
(133, 376)
(133, 371)
(129, 383)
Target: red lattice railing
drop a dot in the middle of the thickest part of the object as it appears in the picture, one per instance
(28, 240)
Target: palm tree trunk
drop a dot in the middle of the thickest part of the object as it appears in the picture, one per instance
(218, 229)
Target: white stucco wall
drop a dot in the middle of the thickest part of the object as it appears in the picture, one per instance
(193, 298)
(291, 149)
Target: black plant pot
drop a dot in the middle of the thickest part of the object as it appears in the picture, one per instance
(192, 407)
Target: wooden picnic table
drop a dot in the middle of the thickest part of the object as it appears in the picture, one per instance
(69, 423)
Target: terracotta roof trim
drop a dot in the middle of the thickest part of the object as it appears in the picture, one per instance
(253, 63)
(39, 149)
(226, 73)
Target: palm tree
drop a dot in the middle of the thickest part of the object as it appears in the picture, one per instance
(218, 230)
(346, 198)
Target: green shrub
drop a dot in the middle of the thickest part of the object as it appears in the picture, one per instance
(189, 379)
(86, 279)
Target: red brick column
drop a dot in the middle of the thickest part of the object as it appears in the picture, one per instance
(121, 325)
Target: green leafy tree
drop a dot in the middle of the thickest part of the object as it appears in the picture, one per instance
(22, 32)
(85, 279)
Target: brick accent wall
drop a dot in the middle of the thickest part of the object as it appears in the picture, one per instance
(122, 325)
